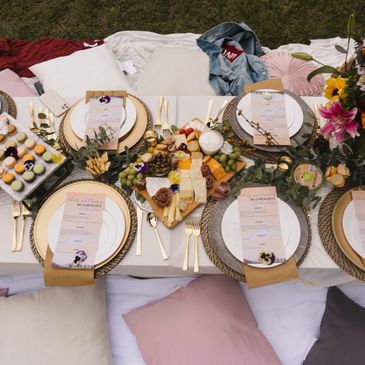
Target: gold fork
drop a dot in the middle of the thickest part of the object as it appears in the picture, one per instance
(25, 213)
(188, 232)
(159, 111)
(15, 207)
(165, 124)
(196, 234)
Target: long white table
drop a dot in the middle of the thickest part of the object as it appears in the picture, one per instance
(317, 269)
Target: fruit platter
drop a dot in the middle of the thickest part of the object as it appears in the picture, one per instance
(177, 173)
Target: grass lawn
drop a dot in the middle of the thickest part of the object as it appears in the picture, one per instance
(276, 22)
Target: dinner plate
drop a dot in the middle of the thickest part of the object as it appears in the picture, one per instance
(294, 113)
(290, 230)
(112, 230)
(351, 229)
(80, 116)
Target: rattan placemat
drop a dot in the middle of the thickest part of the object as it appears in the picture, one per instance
(10, 103)
(269, 155)
(137, 148)
(220, 255)
(124, 249)
(328, 238)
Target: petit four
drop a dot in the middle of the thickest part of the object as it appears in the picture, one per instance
(17, 185)
(47, 156)
(21, 137)
(39, 169)
(8, 178)
(39, 149)
(11, 129)
(28, 176)
(30, 143)
(2, 154)
(10, 143)
(19, 168)
(21, 151)
(10, 162)
(2, 138)
(2, 171)
(28, 157)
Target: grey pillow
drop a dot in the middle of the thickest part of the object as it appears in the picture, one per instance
(342, 333)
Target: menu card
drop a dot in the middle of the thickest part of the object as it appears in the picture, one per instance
(107, 112)
(81, 224)
(358, 197)
(261, 238)
(268, 109)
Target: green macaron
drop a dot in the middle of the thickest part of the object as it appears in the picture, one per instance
(28, 176)
(17, 185)
(47, 156)
(39, 169)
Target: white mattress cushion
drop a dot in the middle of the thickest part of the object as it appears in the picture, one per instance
(55, 326)
(176, 71)
(73, 75)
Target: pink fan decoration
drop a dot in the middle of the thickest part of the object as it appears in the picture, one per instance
(293, 73)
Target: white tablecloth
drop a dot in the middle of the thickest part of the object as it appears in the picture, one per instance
(317, 269)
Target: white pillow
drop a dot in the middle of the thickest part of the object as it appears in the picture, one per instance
(176, 71)
(55, 326)
(73, 75)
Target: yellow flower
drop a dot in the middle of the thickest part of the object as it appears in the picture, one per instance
(335, 88)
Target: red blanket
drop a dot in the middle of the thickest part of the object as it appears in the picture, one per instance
(19, 55)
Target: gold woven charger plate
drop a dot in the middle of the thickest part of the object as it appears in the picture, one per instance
(70, 141)
(332, 234)
(210, 226)
(9, 104)
(39, 228)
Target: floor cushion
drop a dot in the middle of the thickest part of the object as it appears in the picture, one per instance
(207, 322)
(55, 326)
(176, 71)
(73, 75)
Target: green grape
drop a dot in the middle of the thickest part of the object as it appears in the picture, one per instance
(232, 156)
(227, 169)
(234, 167)
(124, 181)
(130, 183)
(236, 149)
(130, 177)
(238, 155)
(133, 172)
(217, 157)
(223, 158)
(123, 175)
(139, 176)
(230, 162)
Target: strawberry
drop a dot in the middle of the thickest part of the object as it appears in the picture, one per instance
(188, 131)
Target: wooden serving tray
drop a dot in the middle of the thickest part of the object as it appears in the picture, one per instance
(159, 211)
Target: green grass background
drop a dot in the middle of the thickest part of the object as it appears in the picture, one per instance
(275, 22)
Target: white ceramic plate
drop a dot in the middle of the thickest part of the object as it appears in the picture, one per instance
(81, 112)
(111, 234)
(351, 229)
(294, 113)
(290, 231)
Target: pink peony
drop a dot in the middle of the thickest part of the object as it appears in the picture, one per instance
(339, 121)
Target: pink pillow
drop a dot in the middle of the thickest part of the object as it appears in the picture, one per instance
(207, 322)
(13, 85)
(4, 292)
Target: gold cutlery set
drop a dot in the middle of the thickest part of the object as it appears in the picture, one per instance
(19, 211)
(163, 106)
(192, 228)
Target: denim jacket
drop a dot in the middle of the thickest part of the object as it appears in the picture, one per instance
(233, 50)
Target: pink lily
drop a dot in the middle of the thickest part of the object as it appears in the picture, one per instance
(339, 121)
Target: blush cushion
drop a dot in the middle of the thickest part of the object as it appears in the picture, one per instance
(342, 333)
(207, 322)
(13, 85)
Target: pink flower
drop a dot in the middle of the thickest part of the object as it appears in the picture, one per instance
(339, 121)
